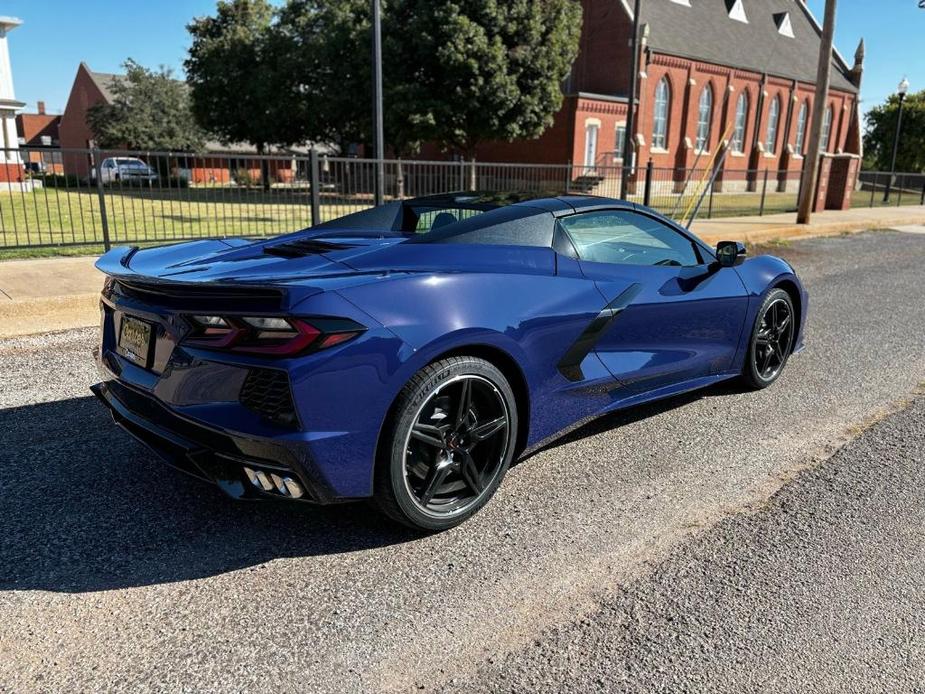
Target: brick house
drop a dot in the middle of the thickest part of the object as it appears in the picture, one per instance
(38, 133)
(221, 165)
(712, 72)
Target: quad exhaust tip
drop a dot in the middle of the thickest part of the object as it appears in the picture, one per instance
(284, 486)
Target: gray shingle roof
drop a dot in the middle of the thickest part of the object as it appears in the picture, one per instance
(705, 32)
(105, 81)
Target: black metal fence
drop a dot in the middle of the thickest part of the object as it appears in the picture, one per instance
(85, 197)
(883, 189)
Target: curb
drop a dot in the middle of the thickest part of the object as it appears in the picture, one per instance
(48, 314)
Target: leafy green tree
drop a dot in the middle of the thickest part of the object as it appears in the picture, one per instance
(458, 72)
(880, 134)
(324, 52)
(234, 77)
(149, 110)
(477, 70)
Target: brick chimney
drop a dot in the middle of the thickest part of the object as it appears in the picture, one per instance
(41, 108)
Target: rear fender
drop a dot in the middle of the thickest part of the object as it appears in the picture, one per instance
(532, 318)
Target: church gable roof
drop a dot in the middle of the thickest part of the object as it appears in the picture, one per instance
(704, 31)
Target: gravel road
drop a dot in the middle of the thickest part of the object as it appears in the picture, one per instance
(120, 574)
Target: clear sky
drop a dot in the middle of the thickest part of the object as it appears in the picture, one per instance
(58, 34)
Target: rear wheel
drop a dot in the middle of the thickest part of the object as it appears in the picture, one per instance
(451, 440)
(771, 340)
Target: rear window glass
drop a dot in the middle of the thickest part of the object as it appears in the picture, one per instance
(515, 225)
(429, 218)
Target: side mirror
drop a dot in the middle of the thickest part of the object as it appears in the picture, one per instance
(730, 253)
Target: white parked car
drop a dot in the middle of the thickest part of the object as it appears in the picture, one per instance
(124, 170)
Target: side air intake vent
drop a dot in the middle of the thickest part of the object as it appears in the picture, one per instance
(299, 249)
(267, 392)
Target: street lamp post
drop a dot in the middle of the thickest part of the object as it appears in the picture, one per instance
(901, 90)
(378, 137)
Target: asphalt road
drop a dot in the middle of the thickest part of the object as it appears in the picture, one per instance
(820, 590)
(119, 574)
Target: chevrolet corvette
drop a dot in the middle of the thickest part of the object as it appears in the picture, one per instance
(410, 352)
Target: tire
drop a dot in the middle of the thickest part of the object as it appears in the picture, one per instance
(440, 460)
(771, 340)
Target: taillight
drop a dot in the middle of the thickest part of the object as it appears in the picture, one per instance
(270, 335)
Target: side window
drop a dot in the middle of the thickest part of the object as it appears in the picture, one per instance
(628, 238)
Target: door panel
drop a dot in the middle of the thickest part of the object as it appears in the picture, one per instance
(673, 317)
(683, 322)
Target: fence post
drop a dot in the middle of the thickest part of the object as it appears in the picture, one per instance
(710, 206)
(899, 197)
(647, 194)
(922, 201)
(400, 179)
(98, 169)
(462, 174)
(568, 177)
(764, 193)
(873, 189)
(315, 183)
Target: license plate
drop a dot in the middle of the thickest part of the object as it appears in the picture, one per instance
(135, 340)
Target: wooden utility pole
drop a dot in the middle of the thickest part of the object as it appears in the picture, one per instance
(811, 162)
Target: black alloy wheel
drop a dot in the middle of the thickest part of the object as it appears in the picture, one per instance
(772, 340)
(452, 442)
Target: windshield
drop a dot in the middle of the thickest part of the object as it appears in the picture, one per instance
(132, 163)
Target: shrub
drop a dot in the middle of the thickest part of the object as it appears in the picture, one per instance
(243, 177)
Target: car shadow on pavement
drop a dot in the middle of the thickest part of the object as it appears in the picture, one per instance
(83, 507)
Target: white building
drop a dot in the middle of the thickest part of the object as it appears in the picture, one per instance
(11, 171)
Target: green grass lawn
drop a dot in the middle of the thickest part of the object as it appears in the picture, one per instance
(55, 216)
(723, 204)
(55, 221)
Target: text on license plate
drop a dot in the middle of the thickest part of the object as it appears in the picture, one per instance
(135, 339)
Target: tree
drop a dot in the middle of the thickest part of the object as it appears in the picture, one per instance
(234, 78)
(324, 52)
(458, 72)
(149, 110)
(880, 134)
(477, 70)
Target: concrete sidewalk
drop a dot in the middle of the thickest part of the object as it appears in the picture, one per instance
(779, 227)
(45, 294)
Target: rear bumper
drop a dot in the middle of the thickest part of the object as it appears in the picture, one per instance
(211, 455)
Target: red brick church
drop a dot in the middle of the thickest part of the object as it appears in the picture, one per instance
(737, 71)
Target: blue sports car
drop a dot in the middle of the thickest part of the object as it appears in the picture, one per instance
(411, 351)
